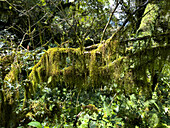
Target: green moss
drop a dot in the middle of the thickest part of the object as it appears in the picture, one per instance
(76, 69)
(12, 76)
(149, 19)
(53, 63)
(73, 67)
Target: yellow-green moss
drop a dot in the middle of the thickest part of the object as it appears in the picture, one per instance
(12, 76)
(53, 63)
(82, 70)
(150, 16)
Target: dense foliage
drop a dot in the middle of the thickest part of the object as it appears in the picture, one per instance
(85, 64)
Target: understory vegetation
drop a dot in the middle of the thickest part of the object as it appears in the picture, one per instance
(84, 64)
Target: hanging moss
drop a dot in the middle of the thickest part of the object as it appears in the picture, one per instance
(53, 63)
(72, 66)
(79, 68)
(5, 62)
(12, 76)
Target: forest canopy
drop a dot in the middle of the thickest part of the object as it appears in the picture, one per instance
(56, 50)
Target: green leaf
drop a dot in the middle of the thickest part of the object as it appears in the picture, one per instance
(35, 124)
(1, 44)
(156, 106)
(49, 79)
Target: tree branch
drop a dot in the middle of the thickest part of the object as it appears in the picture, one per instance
(127, 19)
(146, 37)
(109, 20)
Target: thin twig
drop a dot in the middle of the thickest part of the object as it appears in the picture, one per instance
(127, 19)
(66, 20)
(109, 20)
(14, 7)
(20, 45)
(40, 19)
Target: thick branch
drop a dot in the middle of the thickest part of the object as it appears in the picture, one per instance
(146, 37)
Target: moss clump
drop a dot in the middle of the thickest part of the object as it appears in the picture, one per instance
(12, 76)
(73, 66)
(55, 63)
(5, 63)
